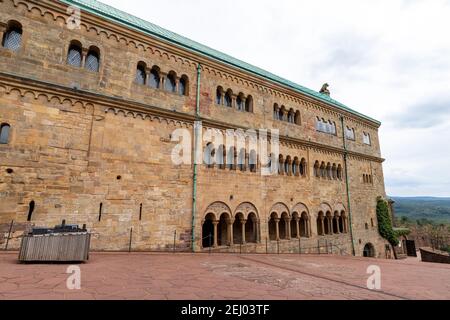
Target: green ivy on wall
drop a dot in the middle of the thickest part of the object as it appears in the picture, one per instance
(385, 223)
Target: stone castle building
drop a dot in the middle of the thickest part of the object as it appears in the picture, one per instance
(88, 108)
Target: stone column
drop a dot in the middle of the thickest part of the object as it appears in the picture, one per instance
(215, 223)
(257, 237)
(84, 53)
(3, 27)
(322, 221)
(297, 225)
(230, 232)
(147, 76)
(287, 223)
(277, 229)
(243, 221)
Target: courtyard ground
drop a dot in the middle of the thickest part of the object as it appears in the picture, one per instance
(223, 276)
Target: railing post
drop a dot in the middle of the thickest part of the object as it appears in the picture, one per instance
(318, 246)
(278, 246)
(299, 246)
(131, 236)
(326, 247)
(9, 235)
(174, 241)
(267, 248)
(210, 244)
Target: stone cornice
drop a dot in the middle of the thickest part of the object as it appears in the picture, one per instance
(129, 107)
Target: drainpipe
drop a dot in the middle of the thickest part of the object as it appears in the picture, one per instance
(194, 179)
(347, 186)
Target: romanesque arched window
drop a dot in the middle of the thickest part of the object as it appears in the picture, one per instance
(221, 156)
(303, 167)
(317, 169)
(229, 99)
(334, 171)
(155, 79)
(209, 155)
(170, 82)
(291, 116)
(320, 224)
(282, 114)
(231, 158)
(339, 172)
(93, 59)
(4, 133)
(287, 166)
(141, 73)
(240, 102)
(249, 104)
(323, 170)
(219, 95)
(295, 165)
(297, 118)
(183, 85)
(74, 54)
(12, 38)
(329, 171)
(253, 161)
(241, 160)
(280, 164)
(276, 112)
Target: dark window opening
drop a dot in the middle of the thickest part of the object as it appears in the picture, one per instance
(31, 210)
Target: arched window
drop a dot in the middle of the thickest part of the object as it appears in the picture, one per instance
(12, 38)
(219, 95)
(240, 102)
(231, 158)
(287, 166)
(339, 172)
(183, 85)
(229, 99)
(329, 171)
(171, 83)
(334, 171)
(370, 179)
(93, 59)
(253, 161)
(323, 170)
(295, 165)
(297, 118)
(302, 168)
(280, 164)
(241, 160)
(209, 155)
(366, 138)
(221, 156)
(74, 54)
(155, 79)
(317, 169)
(4, 133)
(276, 112)
(140, 73)
(282, 113)
(291, 116)
(249, 104)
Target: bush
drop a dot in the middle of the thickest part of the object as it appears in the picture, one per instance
(384, 223)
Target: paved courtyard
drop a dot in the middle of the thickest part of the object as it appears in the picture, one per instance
(221, 276)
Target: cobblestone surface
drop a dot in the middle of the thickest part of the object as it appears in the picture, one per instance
(221, 276)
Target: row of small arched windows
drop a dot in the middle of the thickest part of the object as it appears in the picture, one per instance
(230, 159)
(325, 126)
(89, 62)
(154, 78)
(230, 100)
(292, 166)
(283, 114)
(327, 171)
(4, 133)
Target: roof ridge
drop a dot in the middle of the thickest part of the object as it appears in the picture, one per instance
(110, 13)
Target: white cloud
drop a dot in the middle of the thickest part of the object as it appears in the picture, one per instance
(385, 58)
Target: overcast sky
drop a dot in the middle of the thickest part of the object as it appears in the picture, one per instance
(387, 59)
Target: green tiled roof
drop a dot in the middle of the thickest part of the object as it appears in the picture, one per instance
(118, 16)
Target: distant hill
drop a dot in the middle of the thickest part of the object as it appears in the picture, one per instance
(415, 208)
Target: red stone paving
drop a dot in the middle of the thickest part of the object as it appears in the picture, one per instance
(221, 276)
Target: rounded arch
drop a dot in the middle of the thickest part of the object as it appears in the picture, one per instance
(229, 98)
(219, 95)
(141, 76)
(155, 77)
(249, 104)
(246, 208)
(93, 59)
(12, 39)
(279, 208)
(369, 250)
(74, 56)
(300, 208)
(218, 208)
(170, 83)
(183, 85)
(276, 112)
